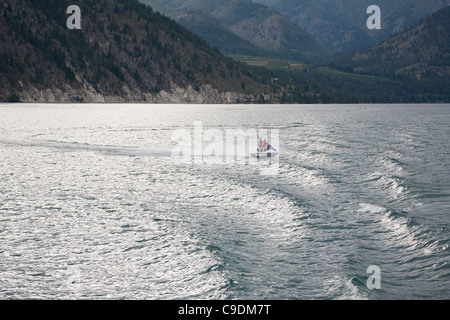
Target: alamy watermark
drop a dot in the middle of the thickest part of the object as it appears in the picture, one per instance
(374, 21)
(374, 281)
(257, 147)
(74, 21)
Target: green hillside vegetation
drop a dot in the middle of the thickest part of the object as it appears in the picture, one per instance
(305, 83)
(269, 63)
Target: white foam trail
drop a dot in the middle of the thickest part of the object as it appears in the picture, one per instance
(354, 293)
(141, 151)
(403, 235)
(370, 208)
(118, 150)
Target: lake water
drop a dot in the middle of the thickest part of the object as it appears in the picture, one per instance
(94, 205)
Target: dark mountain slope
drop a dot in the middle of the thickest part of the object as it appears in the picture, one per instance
(341, 24)
(123, 52)
(258, 25)
(421, 50)
(213, 32)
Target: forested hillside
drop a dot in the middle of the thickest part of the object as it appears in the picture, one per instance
(340, 25)
(123, 52)
(126, 52)
(422, 51)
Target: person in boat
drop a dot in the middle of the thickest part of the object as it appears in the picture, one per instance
(264, 146)
(260, 145)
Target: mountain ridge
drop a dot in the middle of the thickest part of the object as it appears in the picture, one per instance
(340, 25)
(422, 49)
(124, 52)
(263, 27)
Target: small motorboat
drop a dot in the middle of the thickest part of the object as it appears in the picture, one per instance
(269, 153)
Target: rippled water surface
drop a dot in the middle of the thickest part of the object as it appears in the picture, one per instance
(93, 205)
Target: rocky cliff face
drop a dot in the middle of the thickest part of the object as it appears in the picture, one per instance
(178, 95)
(124, 52)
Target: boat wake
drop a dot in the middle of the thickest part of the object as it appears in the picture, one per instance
(77, 146)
